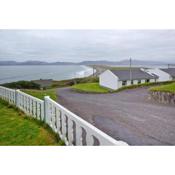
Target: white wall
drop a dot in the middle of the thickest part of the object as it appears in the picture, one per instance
(120, 84)
(142, 81)
(128, 82)
(152, 80)
(163, 76)
(135, 82)
(109, 80)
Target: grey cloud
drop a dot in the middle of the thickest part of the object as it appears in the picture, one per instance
(79, 45)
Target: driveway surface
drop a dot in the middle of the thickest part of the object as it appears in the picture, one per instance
(129, 115)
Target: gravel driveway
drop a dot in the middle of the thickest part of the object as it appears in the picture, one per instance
(128, 115)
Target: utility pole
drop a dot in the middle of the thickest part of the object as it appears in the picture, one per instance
(93, 71)
(130, 71)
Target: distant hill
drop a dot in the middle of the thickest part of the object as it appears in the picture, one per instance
(123, 62)
(101, 62)
(8, 63)
(140, 62)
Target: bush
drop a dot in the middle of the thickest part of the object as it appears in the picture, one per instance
(164, 88)
(22, 85)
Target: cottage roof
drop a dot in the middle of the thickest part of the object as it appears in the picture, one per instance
(170, 71)
(136, 74)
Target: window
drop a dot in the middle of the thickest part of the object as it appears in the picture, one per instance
(147, 81)
(123, 83)
(139, 81)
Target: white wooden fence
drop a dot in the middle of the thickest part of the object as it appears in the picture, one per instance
(71, 128)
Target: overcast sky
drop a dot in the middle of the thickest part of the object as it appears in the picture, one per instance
(80, 45)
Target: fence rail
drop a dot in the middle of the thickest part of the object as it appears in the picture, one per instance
(70, 127)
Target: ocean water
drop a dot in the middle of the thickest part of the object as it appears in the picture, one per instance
(57, 72)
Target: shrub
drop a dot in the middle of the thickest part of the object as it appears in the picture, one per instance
(22, 85)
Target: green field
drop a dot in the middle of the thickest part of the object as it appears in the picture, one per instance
(164, 88)
(90, 88)
(18, 129)
(41, 93)
(122, 68)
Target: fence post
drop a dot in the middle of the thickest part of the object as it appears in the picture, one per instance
(17, 97)
(46, 109)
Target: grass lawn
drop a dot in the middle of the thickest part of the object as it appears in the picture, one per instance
(41, 93)
(90, 88)
(164, 88)
(18, 129)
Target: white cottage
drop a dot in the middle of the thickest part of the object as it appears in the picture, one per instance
(115, 79)
(163, 74)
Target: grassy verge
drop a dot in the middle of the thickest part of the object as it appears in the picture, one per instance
(18, 129)
(90, 88)
(41, 93)
(55, 83)
(96, 88)
(71, 82)
(164, 88)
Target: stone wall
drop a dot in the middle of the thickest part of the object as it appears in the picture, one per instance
(163, 97)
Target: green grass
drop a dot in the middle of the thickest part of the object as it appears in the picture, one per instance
(41, 93)
(96, 88)
(164, 88)
(71, 82)
(18, 129)
(90, 88)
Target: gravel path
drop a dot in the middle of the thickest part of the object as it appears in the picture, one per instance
(129, 115)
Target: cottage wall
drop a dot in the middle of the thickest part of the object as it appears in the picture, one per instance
(142, 81)
(109, 80)
(128, 82)
(135, 82)
(119, 84)
(152, 80)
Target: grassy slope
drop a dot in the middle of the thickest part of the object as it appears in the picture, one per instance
(164, 88)
(96, 88)
(17, 129)
(71, 82)
(90, 87)
(41, 93)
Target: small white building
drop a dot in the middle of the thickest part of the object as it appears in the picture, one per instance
(163, 74)
(115, 79)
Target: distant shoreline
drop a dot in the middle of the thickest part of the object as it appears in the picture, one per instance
(87, 62)
(28, 73)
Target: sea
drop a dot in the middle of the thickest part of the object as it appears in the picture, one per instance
(35, 72)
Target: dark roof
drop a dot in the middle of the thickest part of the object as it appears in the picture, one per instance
(170, 71)
(137, 74)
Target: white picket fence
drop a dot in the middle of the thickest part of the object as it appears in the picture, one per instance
(70, 128)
